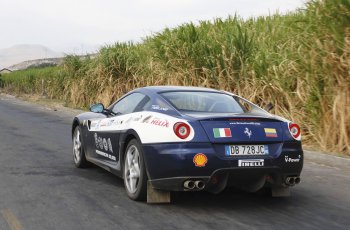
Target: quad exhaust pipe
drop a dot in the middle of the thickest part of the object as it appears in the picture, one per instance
(293, 180)
(191, 184)
(199, 184)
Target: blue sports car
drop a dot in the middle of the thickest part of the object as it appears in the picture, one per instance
(168, 138)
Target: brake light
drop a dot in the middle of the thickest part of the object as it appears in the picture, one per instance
(294, 130)
(182, 130)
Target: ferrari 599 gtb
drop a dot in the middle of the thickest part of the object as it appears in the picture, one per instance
(166, 138)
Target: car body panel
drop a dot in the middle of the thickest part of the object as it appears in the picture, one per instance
(152, 127)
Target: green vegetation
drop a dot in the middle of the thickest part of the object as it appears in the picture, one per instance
(299, 61)
(30, 81)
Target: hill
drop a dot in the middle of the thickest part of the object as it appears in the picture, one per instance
(19, 53)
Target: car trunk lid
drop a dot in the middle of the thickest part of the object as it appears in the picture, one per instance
(243, 130)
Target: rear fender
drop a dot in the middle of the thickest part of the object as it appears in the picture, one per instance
(125, 138)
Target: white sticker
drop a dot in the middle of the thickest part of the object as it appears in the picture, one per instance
(245, 123)
(157, 107)
(106, 155)
(292, 160)
(251, 163)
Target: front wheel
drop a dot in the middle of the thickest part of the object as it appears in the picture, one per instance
(78, 150)
(135, 177)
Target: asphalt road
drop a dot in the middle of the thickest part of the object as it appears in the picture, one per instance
(41, 189)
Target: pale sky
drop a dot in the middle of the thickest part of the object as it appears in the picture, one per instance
(83, 25)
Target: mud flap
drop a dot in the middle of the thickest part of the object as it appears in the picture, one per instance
(155, 196)
(280, 191)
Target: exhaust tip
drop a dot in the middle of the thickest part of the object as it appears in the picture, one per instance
(297, 180)
(290, 181)
(199, 184)
(189, 184)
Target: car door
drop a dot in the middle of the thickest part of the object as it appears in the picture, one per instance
(106, 137)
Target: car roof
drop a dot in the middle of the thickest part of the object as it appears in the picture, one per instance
(159, 89)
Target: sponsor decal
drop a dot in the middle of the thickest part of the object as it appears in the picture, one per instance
(106, 155)
(292, 160)
(222, 132)
(104, 123)
(270, 132)
(157, 107)
(110, 122)
(159, 122)
(100, 142)
(200, 160)
(245, 123)
(128, 120)
(251, 163)
(104, 147)
(248, 132)
(146, 119)
(103, 143)
(110, 145)
(117, 122)
(95, 124)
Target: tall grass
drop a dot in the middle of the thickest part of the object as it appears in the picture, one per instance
(30, 81)
(299, 61)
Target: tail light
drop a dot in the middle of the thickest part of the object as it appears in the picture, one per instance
(294, 130)
(182, 130)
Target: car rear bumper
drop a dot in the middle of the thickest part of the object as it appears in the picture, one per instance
(170, 165)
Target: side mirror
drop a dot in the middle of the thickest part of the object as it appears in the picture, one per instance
(268, 107)
(97, 108)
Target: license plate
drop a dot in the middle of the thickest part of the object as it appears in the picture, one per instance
(246, 150)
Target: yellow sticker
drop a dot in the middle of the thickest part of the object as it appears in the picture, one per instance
(200, 160)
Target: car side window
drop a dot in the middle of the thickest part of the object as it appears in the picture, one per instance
(128, 104)
(143, 105)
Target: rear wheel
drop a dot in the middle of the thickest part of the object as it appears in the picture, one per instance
(135, 177)
(78, 151)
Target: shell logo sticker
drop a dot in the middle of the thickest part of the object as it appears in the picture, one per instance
(200, 160)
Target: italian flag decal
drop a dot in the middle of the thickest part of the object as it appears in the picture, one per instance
(222, 132)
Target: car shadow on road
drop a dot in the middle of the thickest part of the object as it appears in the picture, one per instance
(97, 174)
(229, 198)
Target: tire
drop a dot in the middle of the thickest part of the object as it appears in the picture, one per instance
(134, 172)
(78, 150)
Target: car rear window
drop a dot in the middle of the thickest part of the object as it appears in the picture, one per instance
(208, 102)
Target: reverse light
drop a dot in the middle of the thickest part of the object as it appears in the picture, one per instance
(294, 130)
(182, 130)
